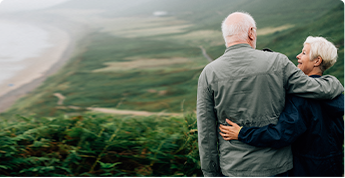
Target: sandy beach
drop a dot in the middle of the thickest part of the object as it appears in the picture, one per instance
(37, 69)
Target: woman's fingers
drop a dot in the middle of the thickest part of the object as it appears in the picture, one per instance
(225, 137)
(231, 123)
(229, 132)
(223, 126)
(235, 127)
(226, 129)
(223, 129)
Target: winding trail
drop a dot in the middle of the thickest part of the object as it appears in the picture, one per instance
(126, 112)
(132, 112)
(60, 97)
(205, 54)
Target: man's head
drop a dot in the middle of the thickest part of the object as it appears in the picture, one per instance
(239, 27)
(318, 54)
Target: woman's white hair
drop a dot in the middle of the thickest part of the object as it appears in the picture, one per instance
(238, 31)
(319, 46)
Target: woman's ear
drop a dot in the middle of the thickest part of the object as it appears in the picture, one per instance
(317, 61)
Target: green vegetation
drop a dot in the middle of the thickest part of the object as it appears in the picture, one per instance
(290, 42)
(99, 145)
(330, 26)
(152, 71)
(154, 88)
(140, 68)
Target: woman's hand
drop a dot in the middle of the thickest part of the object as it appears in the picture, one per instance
(229, 132)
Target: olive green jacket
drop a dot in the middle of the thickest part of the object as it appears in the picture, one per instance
(248, 87)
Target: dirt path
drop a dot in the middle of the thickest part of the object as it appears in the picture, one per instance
(132, 112)
(205, 54)
(60, 97)
(112, 111)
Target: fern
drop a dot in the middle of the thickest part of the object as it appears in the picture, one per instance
(99, 145)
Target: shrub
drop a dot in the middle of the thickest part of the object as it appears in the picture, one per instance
(100, 145)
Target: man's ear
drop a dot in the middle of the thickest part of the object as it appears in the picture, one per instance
(251, 34)
(317, 61)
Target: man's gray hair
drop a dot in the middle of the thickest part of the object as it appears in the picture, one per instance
(319, 46)
(238, 31)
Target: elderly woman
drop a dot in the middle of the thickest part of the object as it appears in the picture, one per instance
(314, 128)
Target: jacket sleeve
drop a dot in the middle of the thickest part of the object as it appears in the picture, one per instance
(335, 106)
(299, 84)
(290, 125)
(207, 133)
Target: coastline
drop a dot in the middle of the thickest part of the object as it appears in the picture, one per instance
(38, 68)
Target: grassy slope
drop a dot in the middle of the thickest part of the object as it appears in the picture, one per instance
(129, 89)
(331, 26)
(84, 88)
(118, 145)
(302, 14)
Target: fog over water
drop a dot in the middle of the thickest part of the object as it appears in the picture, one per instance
(23, 5)
(20, 41)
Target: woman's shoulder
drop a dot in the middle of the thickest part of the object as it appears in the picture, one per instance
(296, 99)
(304, 105)
(329, 105)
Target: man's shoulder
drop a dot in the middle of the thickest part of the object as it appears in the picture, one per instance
(270, 55)
(209, 66)
(270, 52)
(207, 71)
(213, 64)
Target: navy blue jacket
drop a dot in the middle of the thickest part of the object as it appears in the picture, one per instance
(315, 130)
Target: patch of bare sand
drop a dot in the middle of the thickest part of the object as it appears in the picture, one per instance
(141, 63)
(270, 30)
(160, 93)
(132, 112)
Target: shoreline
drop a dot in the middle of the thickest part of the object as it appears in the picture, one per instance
(61, 51)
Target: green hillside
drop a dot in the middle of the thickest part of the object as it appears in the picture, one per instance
(137, 62)
(154, 64)
(330, 26)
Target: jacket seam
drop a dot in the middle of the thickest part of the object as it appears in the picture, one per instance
(240, 76)
(208, 138)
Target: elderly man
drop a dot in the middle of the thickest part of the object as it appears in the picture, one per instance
(248, 87)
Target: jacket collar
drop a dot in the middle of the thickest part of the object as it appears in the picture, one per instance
(315, 76)
(237, 46)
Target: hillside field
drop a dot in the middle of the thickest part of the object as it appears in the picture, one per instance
(137, 63)
(152, 63)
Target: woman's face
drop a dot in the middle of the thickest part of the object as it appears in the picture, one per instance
(304, 62)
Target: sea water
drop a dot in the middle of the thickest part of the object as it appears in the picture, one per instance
(18, 43)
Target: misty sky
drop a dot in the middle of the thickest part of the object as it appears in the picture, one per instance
(20, 5)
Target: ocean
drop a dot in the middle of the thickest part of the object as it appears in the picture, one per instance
(18, 43)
